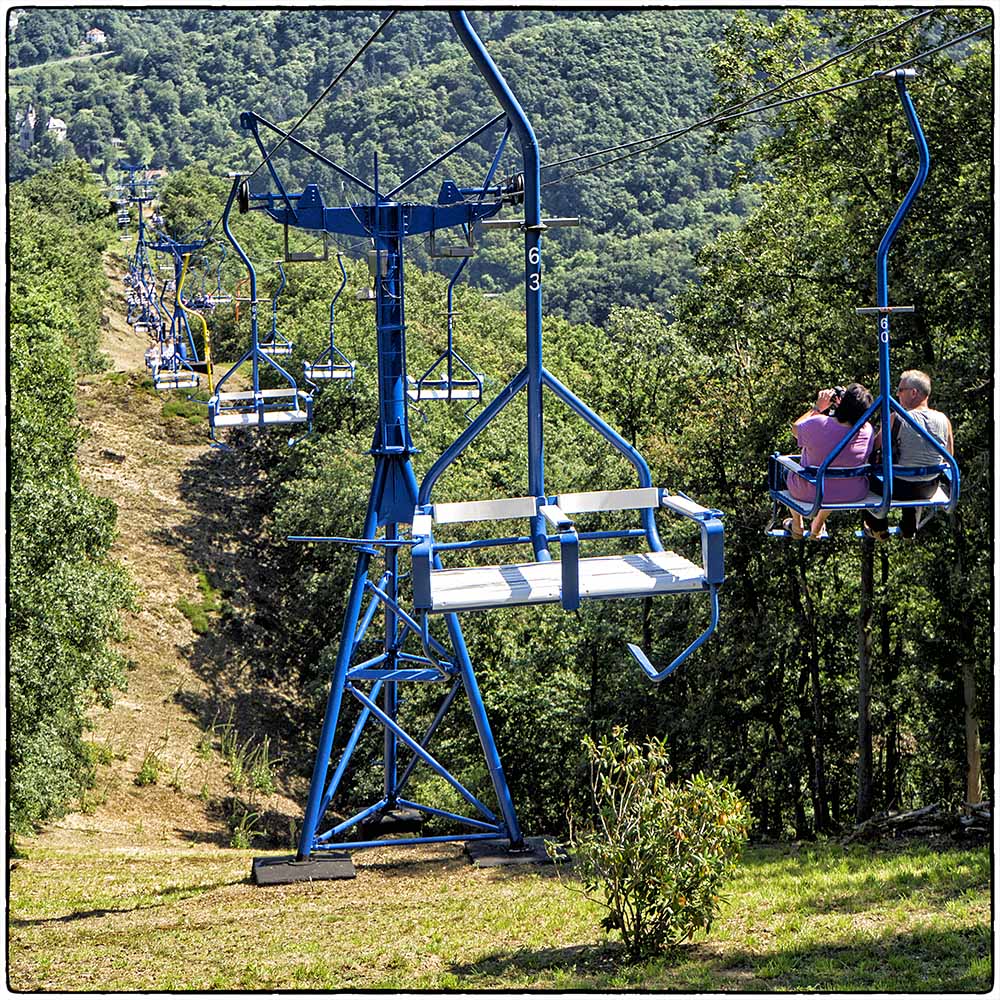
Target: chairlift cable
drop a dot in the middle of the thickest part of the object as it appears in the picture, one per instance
(750, 100)
(333, 83)
(666, 137)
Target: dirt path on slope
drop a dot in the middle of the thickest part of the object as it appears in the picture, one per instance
(136, 455)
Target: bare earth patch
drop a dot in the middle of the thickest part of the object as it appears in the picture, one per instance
(134, 455)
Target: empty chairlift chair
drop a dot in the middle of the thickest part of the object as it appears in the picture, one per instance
(450, 377)
(256, 406)
(332, 364)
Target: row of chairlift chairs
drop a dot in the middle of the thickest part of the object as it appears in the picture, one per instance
(173, 358)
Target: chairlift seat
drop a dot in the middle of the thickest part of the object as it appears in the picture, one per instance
(325, 373)
(175, 380)
(601, 578)
(443, 389)
(267, 407)
(781, 465)
(637, 574)
(276, 349)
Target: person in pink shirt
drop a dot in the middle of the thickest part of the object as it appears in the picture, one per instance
(819, 431)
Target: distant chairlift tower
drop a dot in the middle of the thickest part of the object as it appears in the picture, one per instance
(396, 500)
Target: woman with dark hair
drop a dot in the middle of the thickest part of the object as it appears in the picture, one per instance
(819, 432)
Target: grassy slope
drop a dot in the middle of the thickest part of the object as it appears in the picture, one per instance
(136, 892)
(827, 918)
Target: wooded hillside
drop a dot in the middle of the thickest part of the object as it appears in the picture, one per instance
(175, 81)
(698, 321)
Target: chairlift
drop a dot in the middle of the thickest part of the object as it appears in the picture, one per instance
(258, 406)
(457, 381)
(332, 363)
(779, 466)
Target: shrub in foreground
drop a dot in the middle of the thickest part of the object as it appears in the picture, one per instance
(658, 853)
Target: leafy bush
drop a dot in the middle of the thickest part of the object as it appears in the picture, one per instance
(149, 772)
(65, 593)
(659, 853)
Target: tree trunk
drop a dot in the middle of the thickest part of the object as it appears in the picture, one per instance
(865, 804)
(973, 749)
(890, 672)
(812, 739)
(819, 752)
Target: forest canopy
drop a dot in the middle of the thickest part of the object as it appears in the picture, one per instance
(709, 295)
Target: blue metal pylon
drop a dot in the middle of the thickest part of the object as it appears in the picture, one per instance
(386, 222)
(395, 500)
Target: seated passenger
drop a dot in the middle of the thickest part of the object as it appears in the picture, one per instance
(909, 449)
(819, 431)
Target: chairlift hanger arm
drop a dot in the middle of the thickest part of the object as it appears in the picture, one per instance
(250, 120)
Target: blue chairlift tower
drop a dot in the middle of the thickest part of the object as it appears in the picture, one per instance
(409, 652)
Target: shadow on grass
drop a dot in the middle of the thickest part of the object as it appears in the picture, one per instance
(175, 892)
(922, 961)
(936, 885)
(597, 962)
(410, 867)
(917, 962)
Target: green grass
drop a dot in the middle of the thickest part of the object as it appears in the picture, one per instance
(191, 410)
(827, 919)
(197, 612)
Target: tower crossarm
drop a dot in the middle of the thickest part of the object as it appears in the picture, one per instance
(311, 213)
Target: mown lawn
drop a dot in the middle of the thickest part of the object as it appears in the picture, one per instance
(828, 918)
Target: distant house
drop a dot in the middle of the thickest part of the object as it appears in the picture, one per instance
(155, 173)
(117, 143)
(26, 127)
(95, 36)
(58, 129)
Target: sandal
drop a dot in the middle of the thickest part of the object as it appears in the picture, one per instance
(879, 536)
(789, 525)
(823, 536)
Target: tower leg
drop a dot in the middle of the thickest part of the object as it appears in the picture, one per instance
(390, 695)
(485, 732)
(351, 615)
(329, 730)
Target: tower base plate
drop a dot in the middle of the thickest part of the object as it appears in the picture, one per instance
(283, 871)
(498, 853)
